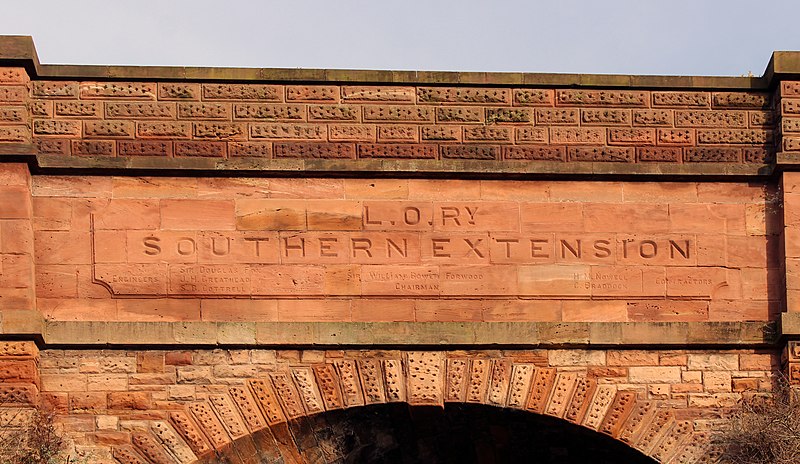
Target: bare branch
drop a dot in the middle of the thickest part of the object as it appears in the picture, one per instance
(765, 428)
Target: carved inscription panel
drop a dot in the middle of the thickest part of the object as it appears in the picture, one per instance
(273, 248)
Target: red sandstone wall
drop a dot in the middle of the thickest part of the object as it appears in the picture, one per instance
(216, 249)
(200, 248)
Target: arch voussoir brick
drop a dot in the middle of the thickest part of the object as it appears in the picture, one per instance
(420, 378)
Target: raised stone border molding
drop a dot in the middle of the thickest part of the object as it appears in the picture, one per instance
(227, 419)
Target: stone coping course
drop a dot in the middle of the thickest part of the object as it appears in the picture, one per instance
(20, 50)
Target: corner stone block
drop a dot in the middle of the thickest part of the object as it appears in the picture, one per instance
(18, 350)
(793, 351)
(18, 322)
(15, 114)
(15, 202)
(17, 284)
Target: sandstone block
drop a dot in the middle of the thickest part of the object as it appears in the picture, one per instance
(88, 402)
(713, 362)
(107, 382)
(662, 374)
(197, 214)
(576, 358)
(758, 361)
(235, 371)
(104, 422)
(312, 93)
(632, 358)
(181, 392)
(745, 385)
(717, 382)
(64, 382)
(130, 400)
(683, 388)
(382, 311)
(195, 332)
(673, 359)
(594, 311)
(236, 332)
(178, 91)
(178, 358)
(713, 400)
(151, 379)
(110, 438)
(149, 362)
(194, 375)
(15, 202)
(19, 371)
(217, 310)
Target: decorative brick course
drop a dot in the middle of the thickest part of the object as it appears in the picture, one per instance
(388, 113)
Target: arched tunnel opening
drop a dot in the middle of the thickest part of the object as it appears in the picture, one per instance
(403, 434)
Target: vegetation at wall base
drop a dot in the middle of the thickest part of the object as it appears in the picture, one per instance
(34, 441)
(765, 429)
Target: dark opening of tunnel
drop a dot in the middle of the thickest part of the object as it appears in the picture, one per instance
(402, 434)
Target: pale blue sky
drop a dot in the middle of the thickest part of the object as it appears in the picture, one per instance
(698, 37)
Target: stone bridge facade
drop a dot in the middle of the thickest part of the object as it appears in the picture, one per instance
(249, 265)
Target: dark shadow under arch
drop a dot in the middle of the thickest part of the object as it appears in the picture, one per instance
(402, 434)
